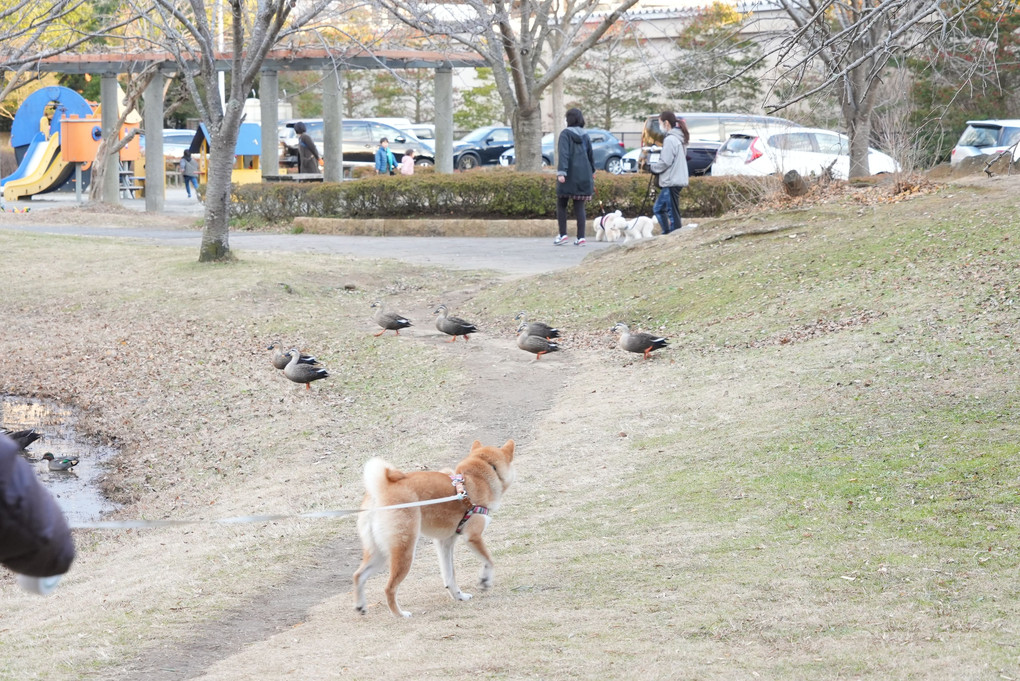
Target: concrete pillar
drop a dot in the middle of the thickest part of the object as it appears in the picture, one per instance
(155, 165)
(269, 101)
(332, 126)
(108, 100)
(444, 120)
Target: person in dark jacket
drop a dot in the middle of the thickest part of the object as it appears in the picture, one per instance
(575, 175)
(308, 153)
(35, 540)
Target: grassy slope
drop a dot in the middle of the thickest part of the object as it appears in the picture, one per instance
(818, 479)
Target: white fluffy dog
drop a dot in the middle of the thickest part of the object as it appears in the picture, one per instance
(639, 228)
(607, 227)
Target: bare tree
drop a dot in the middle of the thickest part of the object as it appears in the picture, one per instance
(855, 40)
(528, 44)
(184, 30)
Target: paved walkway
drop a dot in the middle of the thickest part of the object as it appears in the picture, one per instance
(513, 256)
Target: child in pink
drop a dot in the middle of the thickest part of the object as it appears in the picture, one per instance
(407, 163)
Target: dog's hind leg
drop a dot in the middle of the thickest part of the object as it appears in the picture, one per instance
(444, 548)
(371, 562)
(401, 558)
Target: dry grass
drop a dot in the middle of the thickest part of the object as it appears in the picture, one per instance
(817, 480)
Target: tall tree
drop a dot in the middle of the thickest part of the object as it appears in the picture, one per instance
(186, 31)
(479, 105)
(611, 79)
(855, 40)
(528, 44)
(713, 51)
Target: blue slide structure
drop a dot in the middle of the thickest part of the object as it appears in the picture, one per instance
(32, 148)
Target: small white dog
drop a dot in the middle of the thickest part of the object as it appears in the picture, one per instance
(607, 226)
(639, 228)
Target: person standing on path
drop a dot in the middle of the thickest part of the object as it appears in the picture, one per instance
(671, 168)
(575, 175)
(308, 153)
(189, 171)
(385, 162)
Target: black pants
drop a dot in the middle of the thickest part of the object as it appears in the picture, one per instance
(579, 215)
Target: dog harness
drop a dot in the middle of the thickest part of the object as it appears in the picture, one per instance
(458, 483)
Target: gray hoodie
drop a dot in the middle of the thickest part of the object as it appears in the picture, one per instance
(672, 164)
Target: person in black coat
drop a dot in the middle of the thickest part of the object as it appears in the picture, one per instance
(308, 153)
(575, 175)
(35, 540)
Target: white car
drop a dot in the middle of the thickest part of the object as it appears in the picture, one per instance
(809, 151)
(987, 137)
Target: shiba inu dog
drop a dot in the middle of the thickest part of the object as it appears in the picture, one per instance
(392, 534)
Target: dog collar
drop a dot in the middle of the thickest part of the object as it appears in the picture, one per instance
(480, 510)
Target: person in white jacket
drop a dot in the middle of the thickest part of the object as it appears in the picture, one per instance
(672, 171)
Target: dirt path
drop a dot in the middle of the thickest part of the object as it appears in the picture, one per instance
(505, 397)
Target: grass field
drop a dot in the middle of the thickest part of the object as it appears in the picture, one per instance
(818, 479)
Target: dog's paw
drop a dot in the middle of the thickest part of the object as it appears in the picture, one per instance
(461, 596)
(405, 614)
(485, 583)
(360, 609)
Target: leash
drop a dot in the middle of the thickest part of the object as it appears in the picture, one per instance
(647, 192)
(238, 520)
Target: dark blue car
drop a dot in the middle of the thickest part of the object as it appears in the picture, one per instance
(482, 146)
(606, 149)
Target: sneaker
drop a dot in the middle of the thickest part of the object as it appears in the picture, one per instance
(560, 240)
(580, 242)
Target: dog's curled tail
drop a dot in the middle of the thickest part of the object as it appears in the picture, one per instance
(378, 473)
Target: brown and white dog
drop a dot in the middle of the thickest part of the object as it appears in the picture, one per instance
(393, 534)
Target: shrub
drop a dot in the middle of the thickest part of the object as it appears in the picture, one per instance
(500, 193)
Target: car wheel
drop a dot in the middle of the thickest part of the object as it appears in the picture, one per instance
(614, 165)
(546, 161)
(467, 162)
(424, 162)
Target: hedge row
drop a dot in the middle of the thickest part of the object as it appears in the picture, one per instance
(500, 193)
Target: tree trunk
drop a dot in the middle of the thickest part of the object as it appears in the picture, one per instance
(858, 102)
(528, 138)
(215, 242)
(794, 184)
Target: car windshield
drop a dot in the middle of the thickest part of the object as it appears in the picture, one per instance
(979, 136)
(478, 135)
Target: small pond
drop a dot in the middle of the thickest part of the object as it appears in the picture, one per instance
(77, 491)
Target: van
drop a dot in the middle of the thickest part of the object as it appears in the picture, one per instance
(708, 132)
(360, 140)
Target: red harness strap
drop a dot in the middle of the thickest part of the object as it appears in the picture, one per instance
(458, 482)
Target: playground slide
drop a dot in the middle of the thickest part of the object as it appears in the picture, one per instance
(46, 173)
(30, 161)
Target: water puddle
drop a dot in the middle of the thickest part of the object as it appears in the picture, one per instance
(77, 491)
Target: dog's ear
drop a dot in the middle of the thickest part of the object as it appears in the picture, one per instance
(508, 450)
(475, 445)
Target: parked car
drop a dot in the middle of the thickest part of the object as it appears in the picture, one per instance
(606, 149)
(809, 151)
(423, 131)
(175, 141)
(708, 132)
(482, 146)
(360, 140)
(987, 137)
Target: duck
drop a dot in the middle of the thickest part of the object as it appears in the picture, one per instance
(55, 464)
(535, 344)
(389, 320)
(280, 358)
(23, 438)
(538, 328)
(302, 373)
(453, 326)
(639, 342)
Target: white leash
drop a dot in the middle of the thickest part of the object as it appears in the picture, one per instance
(237, 520)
